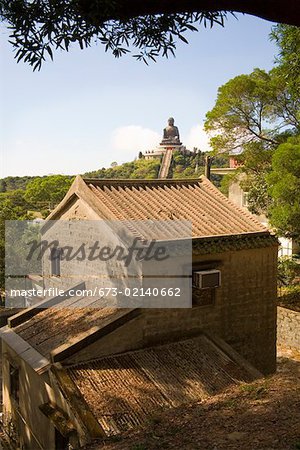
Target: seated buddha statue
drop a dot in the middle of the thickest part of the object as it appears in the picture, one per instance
(171, 133)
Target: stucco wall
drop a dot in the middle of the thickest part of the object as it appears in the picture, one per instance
(34, 429)
(288, 328)
(32, 425)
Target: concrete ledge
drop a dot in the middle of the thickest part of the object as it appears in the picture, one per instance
(32, 357)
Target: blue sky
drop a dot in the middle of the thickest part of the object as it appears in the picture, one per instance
(87, 109)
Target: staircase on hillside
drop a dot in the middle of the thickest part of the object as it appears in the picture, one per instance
(165, 164)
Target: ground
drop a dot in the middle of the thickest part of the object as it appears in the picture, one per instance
(264, 415)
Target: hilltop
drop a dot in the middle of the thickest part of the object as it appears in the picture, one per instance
(44, 192)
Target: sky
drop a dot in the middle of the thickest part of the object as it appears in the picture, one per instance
(87, 109)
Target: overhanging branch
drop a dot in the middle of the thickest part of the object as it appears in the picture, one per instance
(276, 11)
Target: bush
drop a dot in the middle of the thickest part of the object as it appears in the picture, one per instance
(288, 269)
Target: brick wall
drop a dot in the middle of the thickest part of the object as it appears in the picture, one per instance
(288, 328)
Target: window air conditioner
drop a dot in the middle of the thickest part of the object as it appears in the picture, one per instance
(206, 279)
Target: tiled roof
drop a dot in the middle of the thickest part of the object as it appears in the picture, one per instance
(51, 328)
(197, 201)
(123, 391)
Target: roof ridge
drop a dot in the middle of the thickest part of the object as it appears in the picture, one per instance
(140, 182)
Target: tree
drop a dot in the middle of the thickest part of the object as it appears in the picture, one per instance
(8, 211)
(285, 101)
(50, 189)
(255, 166)
(151, 26)
(284, 188)
(13, 183)
(251, 108)
(144, 168)
(287, 39)
(257, 113)
(3, 185)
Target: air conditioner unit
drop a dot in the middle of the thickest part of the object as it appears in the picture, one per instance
(206, 279)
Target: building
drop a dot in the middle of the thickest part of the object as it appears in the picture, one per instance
(71, 375)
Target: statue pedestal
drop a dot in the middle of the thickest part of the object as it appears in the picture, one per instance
(170, 143)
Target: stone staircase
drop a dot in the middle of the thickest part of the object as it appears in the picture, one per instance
(165, 165)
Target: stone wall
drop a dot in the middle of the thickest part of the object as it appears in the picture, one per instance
(288, 328)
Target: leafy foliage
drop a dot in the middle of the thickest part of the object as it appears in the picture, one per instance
(140, 168)
(13, 183)
(251, 108)
(49, 189)
(285, 102)
(259, 113)
(289, 296)
(288, 268)
(255, 165)
(226, 181)
(284, 188)
(9, 210)
(37, 27)
(288, 60)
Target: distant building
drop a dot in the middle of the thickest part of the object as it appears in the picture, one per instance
(72, 375)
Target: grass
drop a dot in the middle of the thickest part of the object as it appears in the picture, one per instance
(255, 391)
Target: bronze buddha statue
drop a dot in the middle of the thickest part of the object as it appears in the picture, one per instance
(171, 133)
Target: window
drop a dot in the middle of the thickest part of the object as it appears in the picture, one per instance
(14, 382)
(55, 258)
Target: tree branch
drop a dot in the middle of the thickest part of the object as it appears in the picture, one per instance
(263, 138)
(276, 11)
